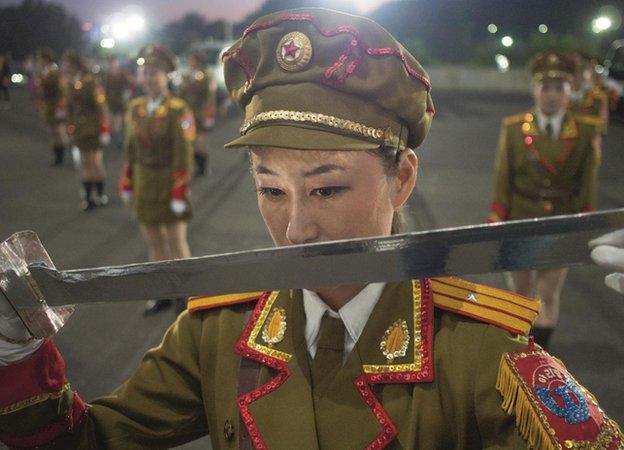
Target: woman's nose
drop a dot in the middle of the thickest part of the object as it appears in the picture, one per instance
(302, 227)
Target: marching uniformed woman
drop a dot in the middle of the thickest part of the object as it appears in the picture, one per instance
(589, 96)
(52, 102)
(88, 124)
(547, 164)
(117, 86)
(160, 131)
(333, 105)
(199, 90)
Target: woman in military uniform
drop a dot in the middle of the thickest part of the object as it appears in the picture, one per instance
(199, 90)
(589, 96)
(160, 132)
(333, 105)
(52, 102)
(547, 164)
(88, 124)
(117, 86)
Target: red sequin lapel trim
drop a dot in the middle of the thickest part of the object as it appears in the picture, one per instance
(425, 374)
(246, 399)
(356, 42)
(568, 135)
(388, 430)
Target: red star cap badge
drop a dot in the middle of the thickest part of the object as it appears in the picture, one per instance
(291, 49)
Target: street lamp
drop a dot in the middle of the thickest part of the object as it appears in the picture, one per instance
(507, 41)
(543, 28)
(107, 43)
(492, 28)
(602, 23)
(502, 63)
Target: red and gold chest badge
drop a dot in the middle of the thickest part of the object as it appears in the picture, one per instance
(294, 51)
(552, 409)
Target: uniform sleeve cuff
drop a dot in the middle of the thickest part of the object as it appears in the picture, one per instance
(34, 378)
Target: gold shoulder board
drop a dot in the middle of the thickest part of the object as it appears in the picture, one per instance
(507, 310)
(589, 120)
(196, 304)
(177, 103)
(517, 118)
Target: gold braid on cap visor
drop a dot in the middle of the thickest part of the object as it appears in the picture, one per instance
(383, 136)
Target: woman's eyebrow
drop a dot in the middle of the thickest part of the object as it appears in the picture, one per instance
(264, 171)
(323, 169)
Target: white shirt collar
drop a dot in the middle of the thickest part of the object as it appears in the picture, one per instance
(354, 315)
(152, 104)
(555, 120)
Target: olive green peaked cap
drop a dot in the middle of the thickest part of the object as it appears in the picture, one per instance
(321, 79)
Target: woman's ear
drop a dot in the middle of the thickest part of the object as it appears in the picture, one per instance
(405, 178)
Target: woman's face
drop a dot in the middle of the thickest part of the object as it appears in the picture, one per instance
(309, 196)
(153, 80)
(552, 95)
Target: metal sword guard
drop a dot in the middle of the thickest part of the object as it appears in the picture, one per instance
(20, 290)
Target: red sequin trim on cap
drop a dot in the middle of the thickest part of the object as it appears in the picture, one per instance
(244, 400)
(342, 29)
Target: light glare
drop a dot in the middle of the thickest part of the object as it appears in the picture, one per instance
(507, 41)
(107, 43)
(492, 28)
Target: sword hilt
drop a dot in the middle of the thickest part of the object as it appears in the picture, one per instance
(20, 289)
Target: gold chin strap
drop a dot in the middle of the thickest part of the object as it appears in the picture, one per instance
(384, 136)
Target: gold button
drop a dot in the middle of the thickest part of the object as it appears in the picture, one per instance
(228, 430)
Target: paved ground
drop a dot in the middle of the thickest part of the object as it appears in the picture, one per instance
(102, 344)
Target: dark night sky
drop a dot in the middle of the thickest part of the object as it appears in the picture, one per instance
(157, 11)
(162, 11)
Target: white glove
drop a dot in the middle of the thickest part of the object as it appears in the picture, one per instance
(126, 197)
(608, 252)
(19, 344)
(105, 139)
(178, 207)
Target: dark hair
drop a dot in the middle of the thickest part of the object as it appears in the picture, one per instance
(390, 157)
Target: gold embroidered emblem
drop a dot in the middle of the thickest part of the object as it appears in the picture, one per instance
(395, 340)
(294, 51)
(275, 327)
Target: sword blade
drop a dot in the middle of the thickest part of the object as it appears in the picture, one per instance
(516, 245)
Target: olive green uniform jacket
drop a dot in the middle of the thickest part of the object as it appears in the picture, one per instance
(159, 153)
(116, 85)
(198, 89)
(51, 96)
(87, 112)
(237, 367)
(440, 394)
(593, 103)
(535, 176)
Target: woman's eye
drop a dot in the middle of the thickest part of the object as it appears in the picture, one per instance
(270, 192)
(326, 192)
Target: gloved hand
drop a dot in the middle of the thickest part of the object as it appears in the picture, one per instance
(178, 207)
(105, 139)
(15, 340)
(608, 252)
(126, 197)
